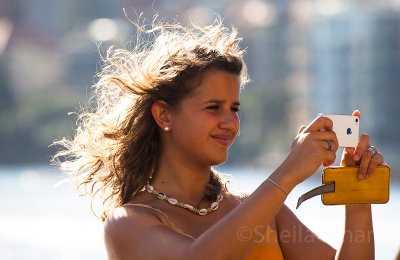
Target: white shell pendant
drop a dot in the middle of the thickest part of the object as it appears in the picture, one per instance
(187, 206)
(149, 188)
(161, 196)
(214, 205)
(172, 201)
(203, 212)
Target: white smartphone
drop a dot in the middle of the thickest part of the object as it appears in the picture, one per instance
(347, 129)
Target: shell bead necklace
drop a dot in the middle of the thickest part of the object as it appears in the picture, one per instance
(202, 212)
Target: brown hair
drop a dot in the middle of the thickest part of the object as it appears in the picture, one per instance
(117, 143)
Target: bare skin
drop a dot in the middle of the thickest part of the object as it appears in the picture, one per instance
(202, 130)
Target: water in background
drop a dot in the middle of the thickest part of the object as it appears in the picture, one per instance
(41, 221)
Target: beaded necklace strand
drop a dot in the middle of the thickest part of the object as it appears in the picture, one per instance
(202, 212)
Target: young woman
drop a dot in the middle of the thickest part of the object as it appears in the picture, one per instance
(165, 115)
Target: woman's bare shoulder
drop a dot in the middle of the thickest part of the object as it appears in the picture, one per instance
(130, 217)
(129, 229)
(121, 221)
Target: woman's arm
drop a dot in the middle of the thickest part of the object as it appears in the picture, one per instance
(298, 241)
(358, 240)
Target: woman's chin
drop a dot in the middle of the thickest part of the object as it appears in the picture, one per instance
(219, 160)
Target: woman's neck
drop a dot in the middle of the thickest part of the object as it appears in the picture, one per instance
(181, 181)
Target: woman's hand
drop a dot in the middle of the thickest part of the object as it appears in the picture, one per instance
(364, 155)
(314, 145)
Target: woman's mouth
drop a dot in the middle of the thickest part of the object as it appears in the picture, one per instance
(222, 139)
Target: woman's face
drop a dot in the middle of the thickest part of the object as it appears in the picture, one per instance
(206, 123)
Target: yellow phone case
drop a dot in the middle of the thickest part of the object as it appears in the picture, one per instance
(351, 190)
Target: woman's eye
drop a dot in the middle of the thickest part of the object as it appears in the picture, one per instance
(214, 107)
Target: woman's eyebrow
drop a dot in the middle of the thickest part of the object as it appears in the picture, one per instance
(220, 101)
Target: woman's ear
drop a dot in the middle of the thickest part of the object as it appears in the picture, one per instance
(161, 114)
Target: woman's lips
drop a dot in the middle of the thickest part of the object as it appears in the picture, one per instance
(222, 139)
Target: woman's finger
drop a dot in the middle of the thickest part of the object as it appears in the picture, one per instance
(347, 157)
(356, 113)
(362, 146)
(331, 157)
(327, 139)
(377, 159)
(302, 127)
(321, 123)
(365, 164)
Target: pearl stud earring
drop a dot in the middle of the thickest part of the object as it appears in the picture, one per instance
(166, 128)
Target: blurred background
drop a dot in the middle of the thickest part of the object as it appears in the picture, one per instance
(304, 58)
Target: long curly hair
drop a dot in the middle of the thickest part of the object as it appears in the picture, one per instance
(117, 145)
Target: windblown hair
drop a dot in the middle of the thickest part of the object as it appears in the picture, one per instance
(117, 145)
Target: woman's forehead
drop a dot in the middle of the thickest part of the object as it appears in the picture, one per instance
(217, 84)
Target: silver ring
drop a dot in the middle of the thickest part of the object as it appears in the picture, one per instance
(329, 145)
(372, 151)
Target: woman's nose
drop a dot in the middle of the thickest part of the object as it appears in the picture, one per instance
(230, 121)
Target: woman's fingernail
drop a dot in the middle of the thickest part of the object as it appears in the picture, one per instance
(360, 176)
(356, 157)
